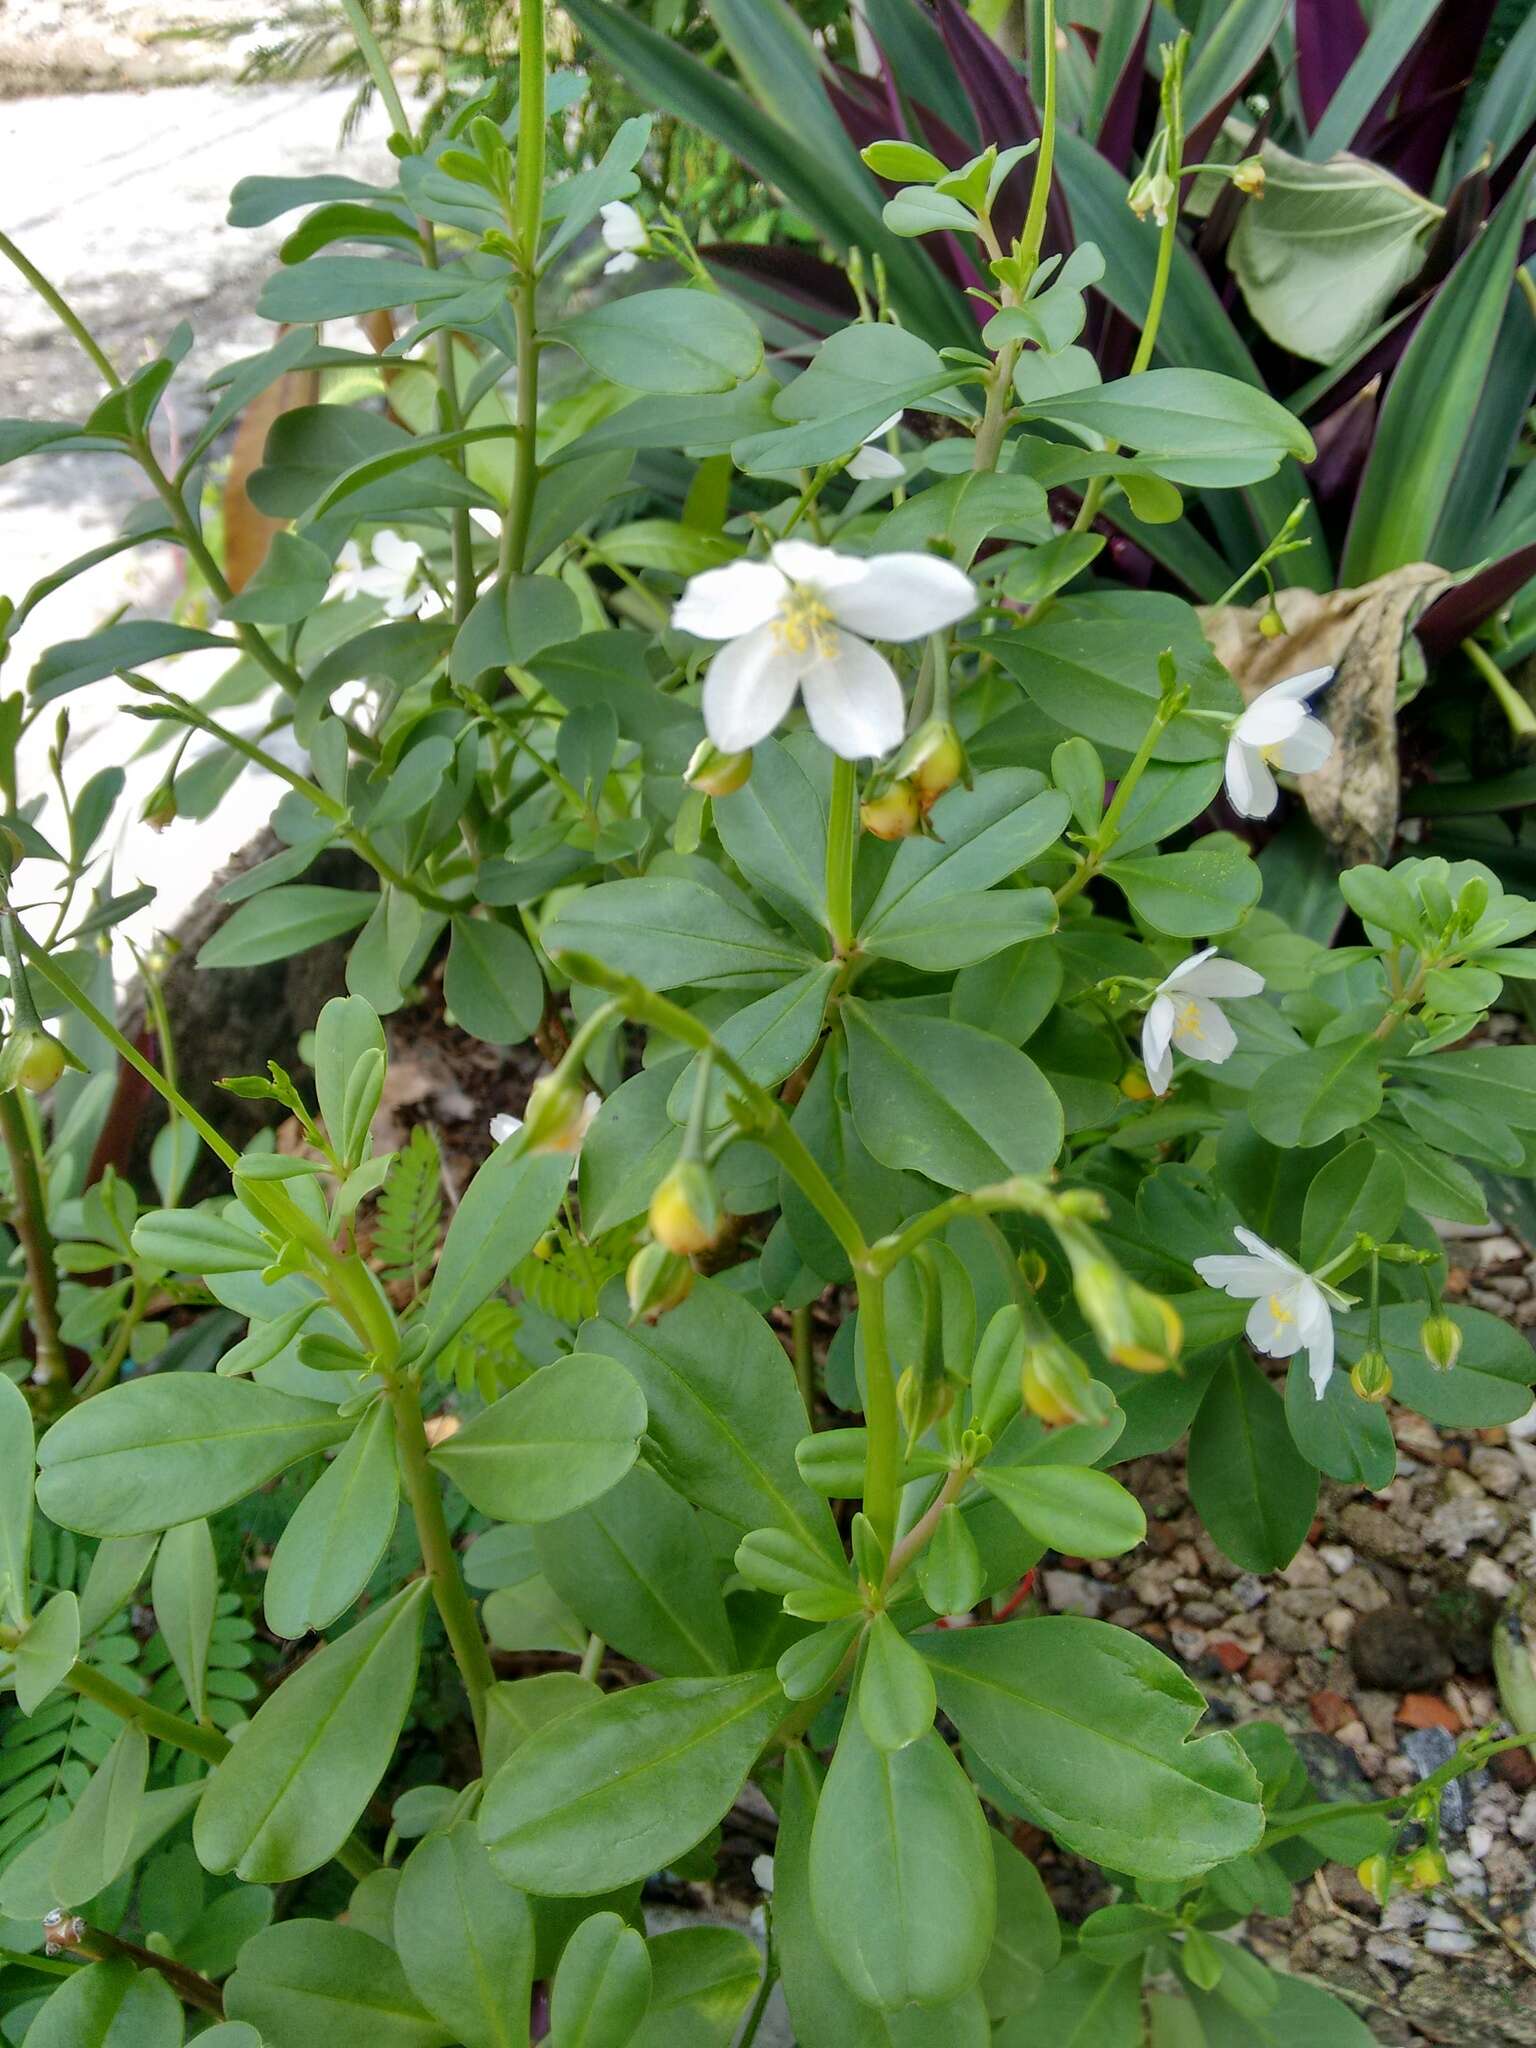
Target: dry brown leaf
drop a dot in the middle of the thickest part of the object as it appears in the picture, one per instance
(247, 532)
(1360, 633)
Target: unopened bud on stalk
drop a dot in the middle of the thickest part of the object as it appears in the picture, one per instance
(1271, 625)
(33, 1059)
(656, 1280)
(685, 1209)
(717, 774)
(933, 760)
(1055, 1384)
(895, 815)
(160, 807)
(558, 1115)
(1427, 1868)
(1441, 1339)
(1372, 1376)
(1375, 1875)
(1134, 1327)
(1134, 1085)
(1248, 176)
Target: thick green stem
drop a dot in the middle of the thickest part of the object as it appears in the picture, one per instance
(842, 844)
(97, 1945)
(1522, 719)
(378, 69)
(29, 1219)
(1034, 222)
(529, 201)
(448, 1589)
(805, 1360)
(882, 1419)
(1109, 827)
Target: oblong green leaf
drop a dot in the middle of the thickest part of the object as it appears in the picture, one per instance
(286, 920)
(895, 1693)
(554, 1443)
(669, 932)
(97, 1839)
(615, 1790)
(305, 1982)
(505, 1211)
(1069, 1507)
(291, 1790)
(1255, 1491)
(174, 1445)
(603, 1985)
(185, 1591)
(492, 982)
(46, 1652)
(1089, 1728)
(16, 1472)
(327, 1553)
(667, 341)
(465, 1940)
(110, 2005)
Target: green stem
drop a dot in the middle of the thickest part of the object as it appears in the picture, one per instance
(378, 69)
(97, 1945)
(1104, 839)
(592, 1658)
(1522, 719)
(63, 312)
(805, 1360)
(760, 2003)
(448, 380)
(529, 197)
(842, 844)
(448, 1589)
(917, 1537)
(1034, 221)
(29, 1219)
(882, 1420)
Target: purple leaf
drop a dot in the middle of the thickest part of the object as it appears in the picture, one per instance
(1433, 85)
(1448, 621)
(795, 275)
(1117, 131)
(1330, 35)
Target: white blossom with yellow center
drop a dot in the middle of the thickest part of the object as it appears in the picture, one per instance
(1184, 1017)
(1277, 730)
(1292, 1309)
(798, 623)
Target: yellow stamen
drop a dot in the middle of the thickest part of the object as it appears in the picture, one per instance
(1189, 1021)
(1279, 1311)
(805, 623)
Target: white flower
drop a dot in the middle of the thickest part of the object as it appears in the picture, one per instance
(872, 461)
(1291, 1309)
(1183, 1014)
(567, 1140)
(796, 621)
(389, 580)
(1277, 730)
(625, 233)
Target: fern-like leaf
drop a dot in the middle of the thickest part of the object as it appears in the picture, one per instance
(484, 1358)
(410, 1210)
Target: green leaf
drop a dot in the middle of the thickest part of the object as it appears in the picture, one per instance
(291, 1790)
(1082, 2005)
(1028, 1938)
(185, 1591)
(951, 1570)
(347, 1031)
(516, 619)
(97, 1839)
(308, 1981)
(723, 1408)
(983, 835)
(128, 645)
(1309, 1097)
(775, 830)
(551, 1445)
(116, 1570)
(602, 1987)
(1069, 1507)
(703, 1980)
(635, 1566)
(1091, 666)
(1358, 1189)
(768, 1038)
(465, 1940)
(197, 1241)
(1198, 426)
(1088, 1727)
(110, 2005)
(896, 1699)
(1190, 895)
(291, 582)
(886, 1822)
(1255, 1491)
(338, 1533)
(340, 287)
(1349, 1439)
(673, 340)
(960, 931)
(1394, 32)
(506, 1209)
(518, 1707)
(492, 982)
(1488, 1385)
(945, 1100)
(614, 1791)
(1431, 403)
(669, 932)
(286, 920)
(170, 1446)
(16, 1463)
(1301, 2011)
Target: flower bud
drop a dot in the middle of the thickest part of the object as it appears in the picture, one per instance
(1135, 1328)
(685, 1209)
(717, 774)
(1441, 1339)
(656, 1280)
(1055, 1384)
(1375, 1875)
(896, 815)
(921, 1398)
(1134, 1085)
(32, 1059)
(558, 1115)
(160, 807)
(1372, 1376)
(1271, 625)
(933, 761)
(1427, 1868)
(1248, 176)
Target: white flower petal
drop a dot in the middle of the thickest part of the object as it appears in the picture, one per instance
(749, 687)
(1261, 1250)
(1179, 976)
(1156, 1037)
(872, 464)
(1269, 720)
(1274, 1325)
(1203, 1031)
(622, 227)
(853, 700)
(1206, 976)
(904, 596)
(1251, 789)
(390, 551)
(1239, 1277)
(617, 265)
(1317, 1336)
(504, 1127)
(1307, 748)
(1302, 686)
(823, 569)
(724, 603)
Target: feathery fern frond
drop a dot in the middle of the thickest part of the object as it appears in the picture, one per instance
(410, 1210)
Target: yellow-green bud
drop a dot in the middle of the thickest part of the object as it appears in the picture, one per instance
(1248, 176)
(921, 1398)
(32, 1059)
(1441, 1339)
(1372, 1376)
(933, 761)
(717, 774)
(1134, 1085)
(685, 1209)
(1135, 1328)
(1375, 1875)
(558, 1115)
(656, 1280)
(1271, 625)
(896, 815)
(160, 807)
(1055, 1384)
(1426, 1869)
